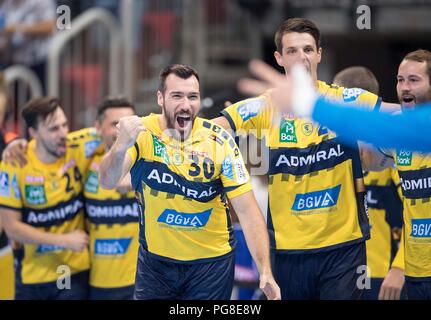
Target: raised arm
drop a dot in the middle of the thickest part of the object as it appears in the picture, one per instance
(116, 163)
(256, 235)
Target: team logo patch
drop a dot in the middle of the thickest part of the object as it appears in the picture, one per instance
(227, 168)
(287, 131)
(421, 228)
(177, 159)
(404, 158)
(182, 219)
(90, 147)
(351, 94)
(35, 194)
(112, 246)
(92, 183)
(4, 184)
(250, 109)
(317, 199)
(307, 128)
(15, 187)
(160, 150)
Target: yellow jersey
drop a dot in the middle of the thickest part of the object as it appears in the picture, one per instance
(386, 216)
(313, 202)
(49, 197)
(414, 170)
(182, 188)
(114, 232)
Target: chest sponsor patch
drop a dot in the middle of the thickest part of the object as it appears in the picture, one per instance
(404, 158)
(287, 131)
(317, 199)
(118, 246)
(35, 194)
(182, 219)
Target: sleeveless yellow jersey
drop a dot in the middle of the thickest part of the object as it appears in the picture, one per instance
(182, 187)
(313, 204)
(114, 232)
(385, 214)
(414, 170)
(49, 197)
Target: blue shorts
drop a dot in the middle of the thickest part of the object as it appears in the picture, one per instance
(327, 275)
(417, 289)
(157, 279)
(120, 293)
(49, 291)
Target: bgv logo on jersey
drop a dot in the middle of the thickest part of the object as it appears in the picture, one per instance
(421, 228)
(4, 184)
(112, 246)
(317, 199)
(182, 219)
(44, 248)
(351, 94)
(250, 109)
(35, 194)
(404, 158)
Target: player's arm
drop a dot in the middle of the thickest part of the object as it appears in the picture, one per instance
(373, 159)
(21, 232)
(116, 163)
(222, 122)
(256, 235)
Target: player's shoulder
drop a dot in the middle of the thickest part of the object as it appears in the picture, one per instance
(251, 107)
(207, 129)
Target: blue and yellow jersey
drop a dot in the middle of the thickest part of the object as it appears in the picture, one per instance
(114, 232)
(182, 188)
(49, 197)
(386, 218)
(311, 171)
(414, 170)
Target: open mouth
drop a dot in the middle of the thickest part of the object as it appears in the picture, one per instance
(183, 120)
(408, 100)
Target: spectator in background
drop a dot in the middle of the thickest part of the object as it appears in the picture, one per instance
(26, 30)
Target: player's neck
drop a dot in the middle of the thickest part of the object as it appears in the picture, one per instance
(43, 155)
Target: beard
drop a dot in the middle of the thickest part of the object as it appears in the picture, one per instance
(179, 124)
(54, 150)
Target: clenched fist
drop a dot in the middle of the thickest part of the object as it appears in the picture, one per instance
(128, 129)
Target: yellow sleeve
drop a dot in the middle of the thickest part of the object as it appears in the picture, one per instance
(399, 257)
(361, 97)
(249, 116)
(142, 147)
(233, 173)
(85, 143)
(10, 191)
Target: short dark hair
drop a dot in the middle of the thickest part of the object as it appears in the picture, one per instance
(113, 102)
(38, 110)
(180, 70)
(357, 77)
(300, 25)
(421, 55)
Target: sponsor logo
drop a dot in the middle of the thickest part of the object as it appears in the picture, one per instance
(421, 228)
(227, 168)
(4, 184)
(240, 171)
(90, 147)
(60, 213)
(416, 184)
(216, 139)
(177, 159)
(351, 94)
(287, 131)
(113, 211)
(236, 152)
(404, 158)
(35, 194)
(112, 246)
(34, 179)
(168, 179)
(92, 183)
(15, 187)
(322, 155)
(44, 248)
(307, 128)
(160, 150)
(317, 199)
(182, 219)
(250, 109)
